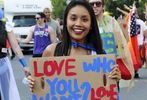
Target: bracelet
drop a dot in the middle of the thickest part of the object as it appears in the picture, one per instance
(23, 62)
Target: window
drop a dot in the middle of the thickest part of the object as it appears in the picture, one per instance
(24, 20)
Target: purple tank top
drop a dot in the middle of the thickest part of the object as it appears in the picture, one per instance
(41, 39)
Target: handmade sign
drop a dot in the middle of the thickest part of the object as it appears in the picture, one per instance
(74, 78)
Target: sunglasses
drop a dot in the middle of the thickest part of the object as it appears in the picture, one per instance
(37, 18)
(98, 4)
(47, 12)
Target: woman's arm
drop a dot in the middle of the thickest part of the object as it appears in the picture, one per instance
(49, 51)
(53, 35)
(29, 36)
(16, 48)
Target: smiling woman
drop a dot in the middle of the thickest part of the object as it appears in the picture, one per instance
(78, 23)
(79, 26)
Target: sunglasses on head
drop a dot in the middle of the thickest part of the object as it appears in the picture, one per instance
(98, 3)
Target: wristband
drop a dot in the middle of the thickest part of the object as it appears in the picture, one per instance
(23, 62)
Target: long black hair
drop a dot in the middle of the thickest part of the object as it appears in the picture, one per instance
(3, 34)
(92, 38)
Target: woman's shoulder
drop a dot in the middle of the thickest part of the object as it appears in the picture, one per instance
(49, 51)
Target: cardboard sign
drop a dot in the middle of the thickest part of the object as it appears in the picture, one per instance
(74, 78)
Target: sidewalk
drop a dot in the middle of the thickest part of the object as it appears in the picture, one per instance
(139, 90)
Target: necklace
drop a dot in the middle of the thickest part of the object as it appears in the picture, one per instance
(41, 32)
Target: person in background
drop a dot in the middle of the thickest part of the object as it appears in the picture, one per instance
(141, 37)
(81, 36)
(52, 23)
(8, 88)
(42, 34)
(112, 37)
(139, 28)
(145, 43)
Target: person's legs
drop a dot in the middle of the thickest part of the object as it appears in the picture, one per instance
(4, 80)
(13, 90)
(142, 60)
(13, 55)
(145, 63)
(136, 74)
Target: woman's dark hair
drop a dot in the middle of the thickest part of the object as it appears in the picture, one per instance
(93, 37)
(3, 35)
(41, 14)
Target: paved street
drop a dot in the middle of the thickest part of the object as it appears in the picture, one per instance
(138, 92)
(19, 75)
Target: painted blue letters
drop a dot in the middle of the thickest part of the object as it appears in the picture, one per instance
(98, 64)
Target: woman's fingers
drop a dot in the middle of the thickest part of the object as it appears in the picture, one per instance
(31, 83)
(115, 73)
(117, 77)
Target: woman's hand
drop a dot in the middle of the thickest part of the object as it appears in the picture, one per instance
(115, 73)
(31, 83)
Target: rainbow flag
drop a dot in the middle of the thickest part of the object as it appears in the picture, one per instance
(133, 34)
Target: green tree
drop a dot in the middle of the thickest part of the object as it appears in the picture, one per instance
(111, 5)
(58, 8)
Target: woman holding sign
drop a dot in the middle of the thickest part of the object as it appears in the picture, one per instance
(81, 36)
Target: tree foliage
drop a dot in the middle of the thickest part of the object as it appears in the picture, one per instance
(111, 5)
(58, 8)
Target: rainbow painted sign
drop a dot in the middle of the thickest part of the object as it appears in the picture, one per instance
(109, 44)
(74, 78)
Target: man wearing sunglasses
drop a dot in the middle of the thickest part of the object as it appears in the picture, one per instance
(98, 7)
(42, 34)
(112, 36)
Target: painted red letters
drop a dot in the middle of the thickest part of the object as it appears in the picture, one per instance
(102, 92)
(52, 67)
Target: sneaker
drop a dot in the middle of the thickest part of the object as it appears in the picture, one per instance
(12, 57)
(136, 75)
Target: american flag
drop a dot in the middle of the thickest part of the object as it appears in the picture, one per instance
(133, 26)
